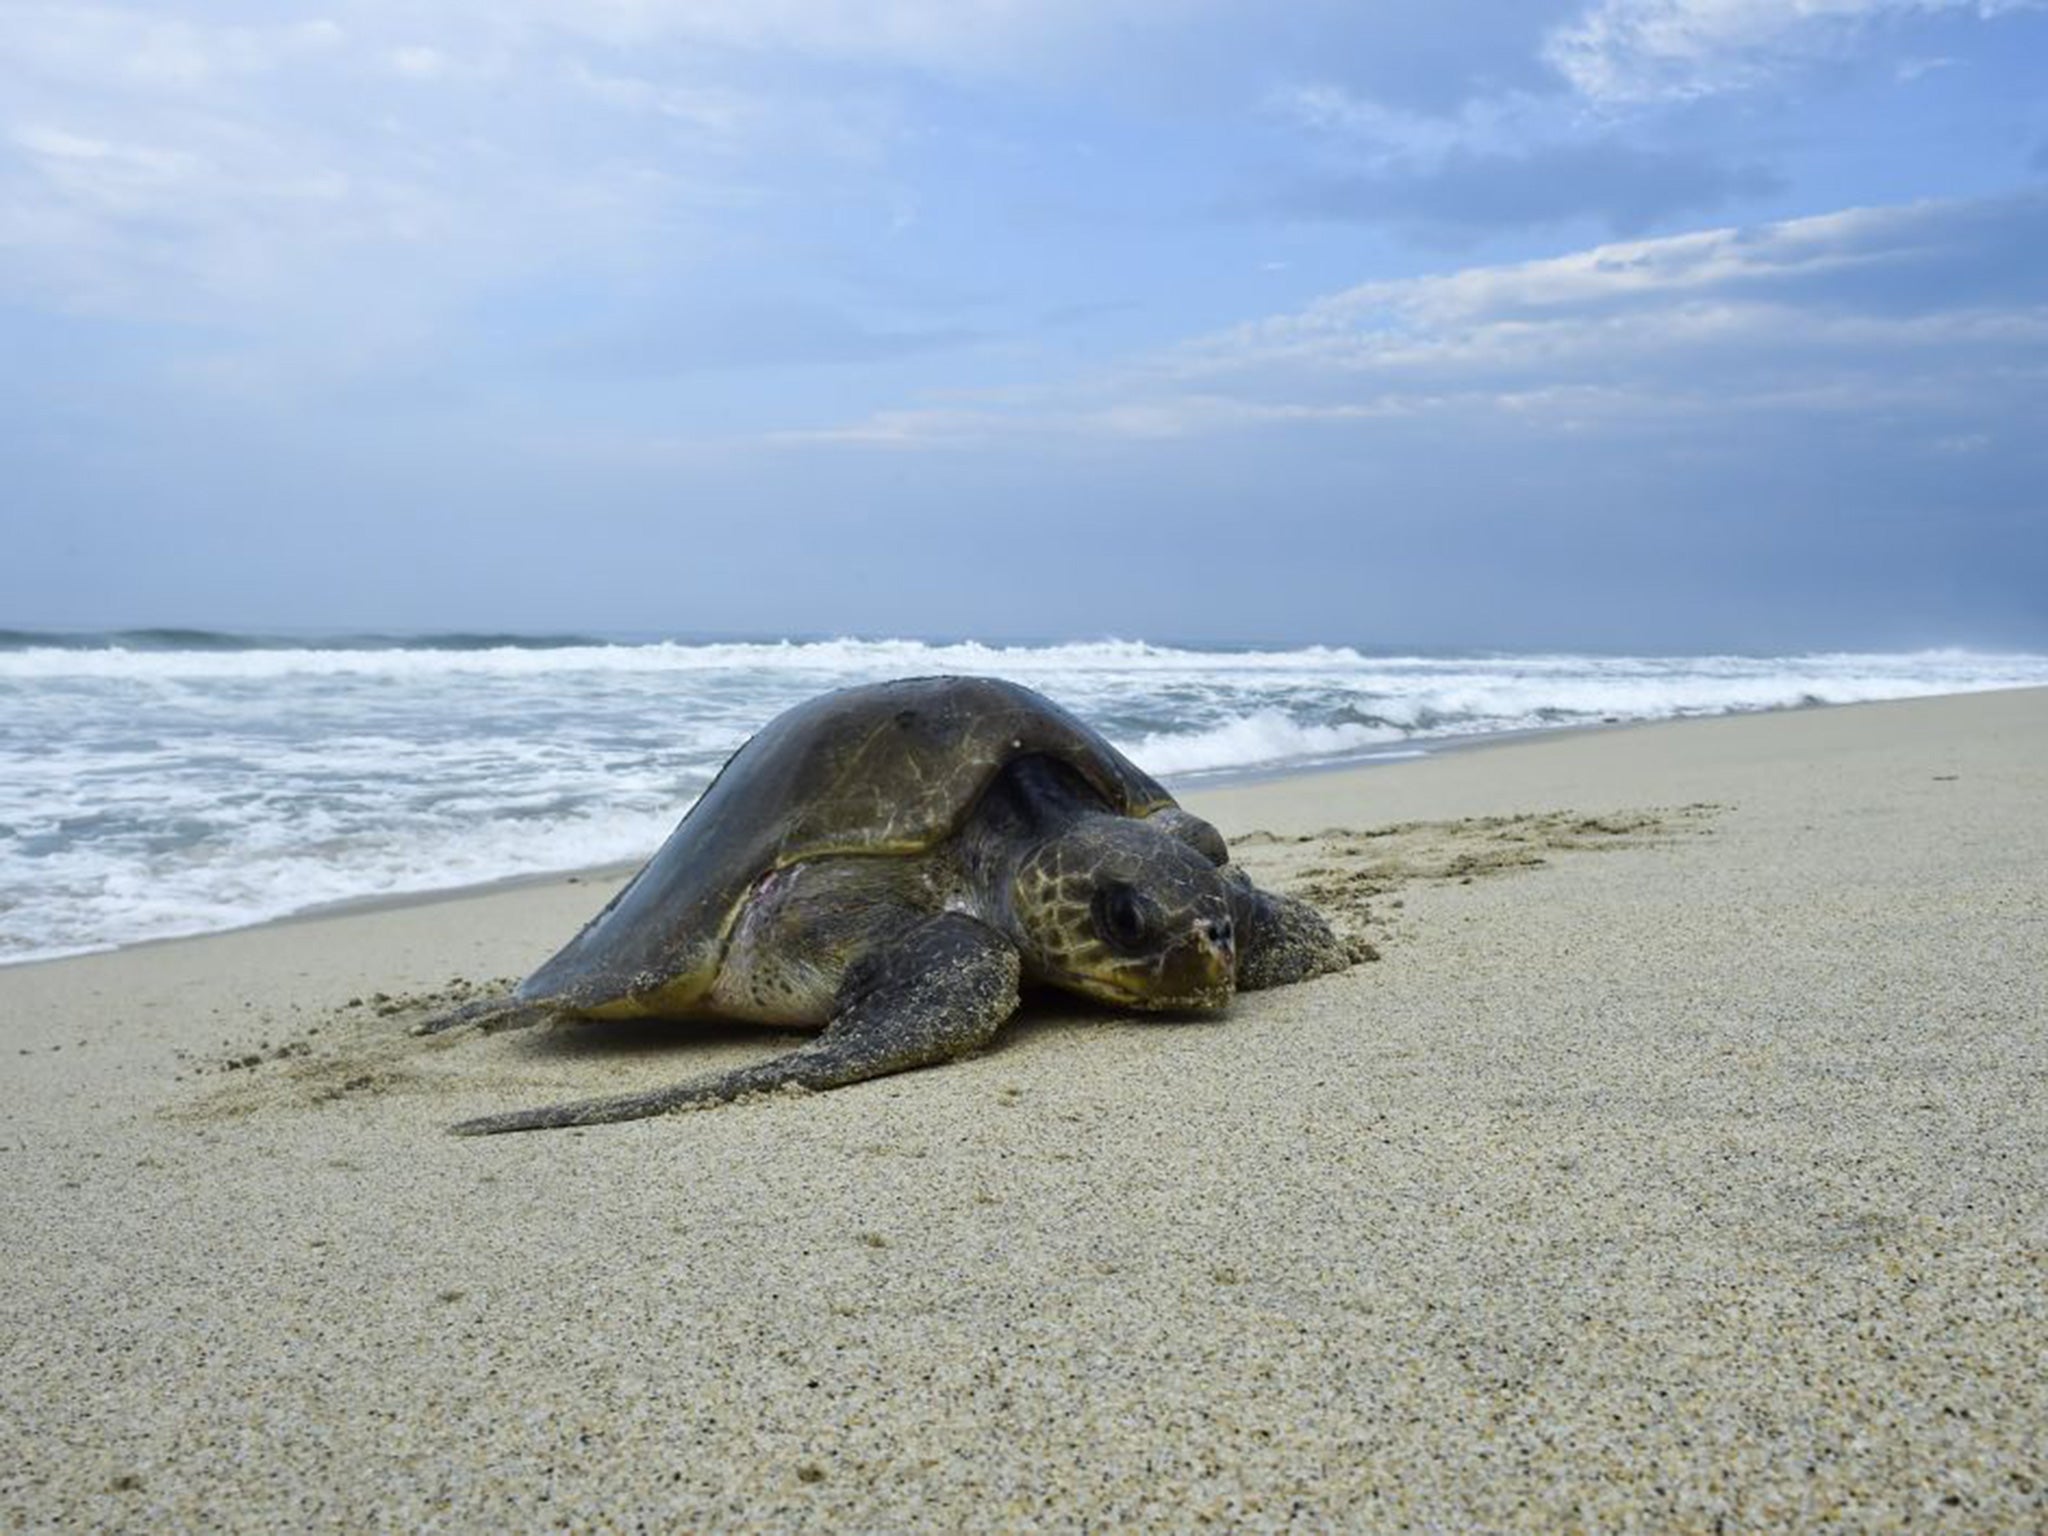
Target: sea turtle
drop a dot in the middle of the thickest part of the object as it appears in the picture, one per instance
(891, 862)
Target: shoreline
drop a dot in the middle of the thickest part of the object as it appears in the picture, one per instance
(1681, 1161)
(1183, 787)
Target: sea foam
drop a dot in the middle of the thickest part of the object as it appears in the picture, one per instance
(159, 783)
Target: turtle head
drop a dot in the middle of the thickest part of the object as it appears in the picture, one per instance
(1118, 910)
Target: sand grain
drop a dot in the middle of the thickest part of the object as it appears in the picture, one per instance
(1672, 1166)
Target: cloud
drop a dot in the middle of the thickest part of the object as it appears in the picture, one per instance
(1628, 189)
(419, 62)
(1921, 316)
(1909, 70)
(183, 224)
(1510, 161)
(291, 178)
(1635, 51)
(1385, 135)
(1616, 132)
(1428, 61)
(750, 334)
(1931, 257)
(438, 183)
(102, 47)
(1933, 317)
(943, 37)
(720, 114)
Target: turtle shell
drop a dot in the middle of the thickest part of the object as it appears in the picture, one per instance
(886, 769)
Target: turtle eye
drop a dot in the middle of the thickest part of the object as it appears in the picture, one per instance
(1120, 916)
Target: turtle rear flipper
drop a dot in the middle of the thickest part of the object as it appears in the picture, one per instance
(503, 1010)
(942, 991)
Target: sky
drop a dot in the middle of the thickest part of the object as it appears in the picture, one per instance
(1610, 324)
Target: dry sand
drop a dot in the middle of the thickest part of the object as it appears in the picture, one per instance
(1683, 1160)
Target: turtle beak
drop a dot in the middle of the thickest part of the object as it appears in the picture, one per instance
(1201, 970)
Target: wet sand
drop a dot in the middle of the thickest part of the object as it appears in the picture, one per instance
(1682, 1158)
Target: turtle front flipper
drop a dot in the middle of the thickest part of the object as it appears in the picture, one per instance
(943, 990)
(1280, 939)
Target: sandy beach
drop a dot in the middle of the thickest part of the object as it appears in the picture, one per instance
(1682, 1160)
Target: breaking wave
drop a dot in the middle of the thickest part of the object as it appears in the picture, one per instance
(161, 782)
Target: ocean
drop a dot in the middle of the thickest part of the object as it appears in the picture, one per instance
(169, 782)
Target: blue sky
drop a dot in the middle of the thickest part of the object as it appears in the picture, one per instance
(1632, 324)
